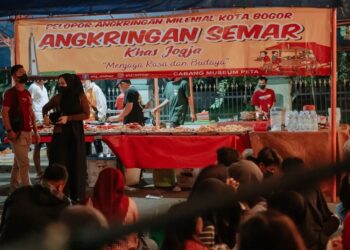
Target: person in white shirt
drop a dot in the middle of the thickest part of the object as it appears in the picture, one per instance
(98, 107)
(40, 97)
(96, 98)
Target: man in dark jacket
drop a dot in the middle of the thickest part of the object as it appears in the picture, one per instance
(29, 209)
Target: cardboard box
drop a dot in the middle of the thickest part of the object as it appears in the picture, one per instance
(186, 177)
(163, 178)
(132, 176)
(96, 165)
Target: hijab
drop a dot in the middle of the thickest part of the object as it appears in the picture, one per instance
(246, 172)
(218, 172)
(109, 197)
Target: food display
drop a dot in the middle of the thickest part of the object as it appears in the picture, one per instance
(134, 128)
(223, 129)
(44, 129)
(248, 115)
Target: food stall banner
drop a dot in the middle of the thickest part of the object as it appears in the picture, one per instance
(230, 42)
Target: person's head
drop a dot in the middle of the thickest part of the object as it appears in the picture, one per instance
(182, 229)
(226, 156)
(79, 220)
(211, 171)
(108, 195)
(262, 82)
(56, 175)
(275, 53)
(269, 161)
(41, 82)
(246, 173)
(226, 219)
(70, 83)
(270, 230)
(85, 79)
(78, 217)
(123, 85)
(292, 165)
(289, 203)
(19, 74)
(175, 79)
(263, 53)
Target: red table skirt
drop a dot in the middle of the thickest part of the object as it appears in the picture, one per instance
(144, 151)
(48, 138)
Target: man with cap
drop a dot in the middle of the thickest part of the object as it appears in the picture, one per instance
(133, 110)
(96, 98)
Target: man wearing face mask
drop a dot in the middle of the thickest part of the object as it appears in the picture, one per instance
(96, 98)
(263, 99)
(19, 121)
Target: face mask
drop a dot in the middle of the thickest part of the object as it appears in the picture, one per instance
(262, 86)
(23, 78)
(61, 89)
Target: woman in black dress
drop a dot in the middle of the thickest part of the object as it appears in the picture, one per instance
(67, 147)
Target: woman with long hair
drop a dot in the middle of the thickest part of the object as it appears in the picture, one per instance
(67, 147)
(183, 234)
(220, 226)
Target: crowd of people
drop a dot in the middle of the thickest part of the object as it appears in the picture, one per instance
(287, 218)
(292, 218)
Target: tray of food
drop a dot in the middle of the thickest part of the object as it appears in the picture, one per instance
(248, 115)
(110, 132)
(158, 133)
(45, 131)
(134, 132)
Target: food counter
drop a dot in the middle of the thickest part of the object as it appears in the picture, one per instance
(151, 144)
(182, 147)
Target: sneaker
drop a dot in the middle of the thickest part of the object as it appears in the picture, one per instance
(39, 175)
(177, 189)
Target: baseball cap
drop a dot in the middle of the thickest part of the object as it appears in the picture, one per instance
(123, 80)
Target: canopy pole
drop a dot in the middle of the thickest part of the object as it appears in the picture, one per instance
(334, 98)
(191, 95)
(156, 100)
(12, 51)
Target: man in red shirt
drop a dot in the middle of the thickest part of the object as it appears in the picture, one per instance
(19, 121)
(263, 99)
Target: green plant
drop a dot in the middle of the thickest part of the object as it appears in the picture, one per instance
(343, 65)
(221, 91)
